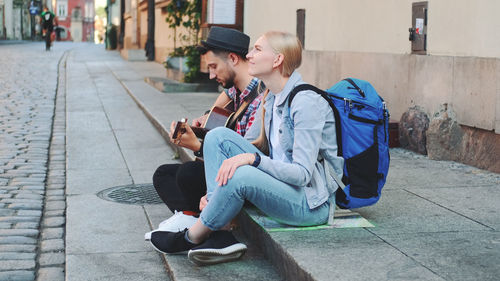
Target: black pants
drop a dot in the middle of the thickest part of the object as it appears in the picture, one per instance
(181, 186)
(47, 38)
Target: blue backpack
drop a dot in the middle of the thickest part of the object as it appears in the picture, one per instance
(362, 126)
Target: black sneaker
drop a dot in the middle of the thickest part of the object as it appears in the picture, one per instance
(221, 246)
(170, 242)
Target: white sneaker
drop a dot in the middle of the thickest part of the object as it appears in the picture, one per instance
(178, 222)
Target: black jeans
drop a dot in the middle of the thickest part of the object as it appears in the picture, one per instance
(48, 38)
(181, 186)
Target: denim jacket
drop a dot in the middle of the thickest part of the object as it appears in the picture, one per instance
(307, 136)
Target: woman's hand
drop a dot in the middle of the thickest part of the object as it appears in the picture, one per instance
(187, 139)
(203, 202)
(229, 166)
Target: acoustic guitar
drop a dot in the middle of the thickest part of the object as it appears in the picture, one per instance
(217, 117)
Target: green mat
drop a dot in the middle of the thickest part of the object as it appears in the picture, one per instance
(342, 219)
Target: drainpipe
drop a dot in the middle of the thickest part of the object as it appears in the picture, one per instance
(150, 43)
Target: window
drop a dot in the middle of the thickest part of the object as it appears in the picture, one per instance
(62, 9)
(226, 13)
(89, 11)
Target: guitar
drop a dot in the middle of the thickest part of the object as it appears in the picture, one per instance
(217, 117)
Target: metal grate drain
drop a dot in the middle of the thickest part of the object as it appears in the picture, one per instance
(131, 194)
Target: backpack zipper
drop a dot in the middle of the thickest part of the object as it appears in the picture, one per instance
(346, 100)
(385, 120)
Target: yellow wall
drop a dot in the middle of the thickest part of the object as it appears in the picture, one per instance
(164, 36)
(456, 27)
(368, 39)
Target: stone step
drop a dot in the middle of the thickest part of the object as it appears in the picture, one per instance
(134, 54)
(253, 266)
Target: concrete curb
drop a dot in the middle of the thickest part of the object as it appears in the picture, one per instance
(282, 261)
(51, 255)
(184, 154)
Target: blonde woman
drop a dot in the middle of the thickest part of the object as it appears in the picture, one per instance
(289, 183)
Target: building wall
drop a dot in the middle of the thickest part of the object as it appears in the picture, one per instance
(143, 28)
(136, 29)
(79, 28)
(9, 20)
(2, 19)
(114, 10)
(456, 27)
(129, 38)
(369, 40)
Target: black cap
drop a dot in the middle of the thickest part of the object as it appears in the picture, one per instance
(226, 39)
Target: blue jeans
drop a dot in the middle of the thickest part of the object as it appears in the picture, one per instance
(283, 202)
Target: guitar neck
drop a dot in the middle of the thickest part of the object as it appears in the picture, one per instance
(200, 132)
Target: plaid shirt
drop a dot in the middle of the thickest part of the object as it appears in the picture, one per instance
(249, 116)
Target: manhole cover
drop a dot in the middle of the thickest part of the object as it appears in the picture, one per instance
(131, 194)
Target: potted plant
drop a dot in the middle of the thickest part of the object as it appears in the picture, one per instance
(184, 59)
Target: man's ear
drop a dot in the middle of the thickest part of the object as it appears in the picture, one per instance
(233, 59)
(278, 61)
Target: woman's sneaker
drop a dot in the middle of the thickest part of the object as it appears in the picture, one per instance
(221, 246)
(177, 222)
(170, 242)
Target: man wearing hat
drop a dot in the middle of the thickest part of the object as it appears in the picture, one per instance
(182, 186)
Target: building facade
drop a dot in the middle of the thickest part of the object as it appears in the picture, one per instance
(16, 23)
(76, 19)
(450, 71)
(136, 30)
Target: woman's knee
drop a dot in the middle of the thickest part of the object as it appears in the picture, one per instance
(243, 180)
(219, 135)
(216, 134)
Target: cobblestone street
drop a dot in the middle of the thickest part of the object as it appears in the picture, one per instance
(31, 238)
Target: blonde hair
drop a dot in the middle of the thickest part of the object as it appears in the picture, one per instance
(289, 46)
(261, 142)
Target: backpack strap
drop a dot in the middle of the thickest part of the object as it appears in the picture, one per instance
(306, 87)
(340, 195)
(361, 92)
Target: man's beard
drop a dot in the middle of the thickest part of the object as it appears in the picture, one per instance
(229, 83)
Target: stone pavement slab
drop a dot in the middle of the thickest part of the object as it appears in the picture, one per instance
(453, 255)
(116, 267)
(402, 212)
(91, 181)
(98, 226)
(350, 254)
(433, 174)
(478, 203)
